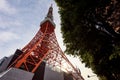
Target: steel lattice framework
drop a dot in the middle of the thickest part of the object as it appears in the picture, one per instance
(44, 47)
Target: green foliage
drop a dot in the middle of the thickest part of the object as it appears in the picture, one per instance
(87, 28)
(116, 53)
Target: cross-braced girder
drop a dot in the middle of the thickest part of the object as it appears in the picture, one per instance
(44, 47)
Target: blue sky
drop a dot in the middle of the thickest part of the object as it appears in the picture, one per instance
(19, 22)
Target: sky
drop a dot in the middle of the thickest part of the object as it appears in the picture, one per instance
(19, 22)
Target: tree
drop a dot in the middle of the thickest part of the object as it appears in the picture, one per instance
(91, 31)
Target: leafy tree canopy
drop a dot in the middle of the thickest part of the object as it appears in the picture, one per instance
(91, 30)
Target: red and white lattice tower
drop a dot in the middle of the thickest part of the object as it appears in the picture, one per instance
(44, 47)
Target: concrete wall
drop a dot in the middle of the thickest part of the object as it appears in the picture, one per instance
(16, 74)
(5, 62)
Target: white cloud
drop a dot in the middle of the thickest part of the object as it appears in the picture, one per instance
(5, 7)
(7, 24)
(7, 36)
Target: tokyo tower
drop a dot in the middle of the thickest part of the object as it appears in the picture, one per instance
(42, 50)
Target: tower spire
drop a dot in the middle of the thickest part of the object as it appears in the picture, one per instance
(49, 16)
(50, 13)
